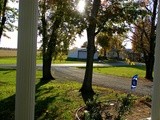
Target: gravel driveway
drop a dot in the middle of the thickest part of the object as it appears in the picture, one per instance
(119, 83)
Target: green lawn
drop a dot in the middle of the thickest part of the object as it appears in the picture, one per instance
(56, 99)
(124, 71)
(8, 60)
(12, 60)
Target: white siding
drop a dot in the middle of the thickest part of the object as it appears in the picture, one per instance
(73, 54)
(82, 55)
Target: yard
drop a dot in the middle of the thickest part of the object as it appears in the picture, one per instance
(58, 99)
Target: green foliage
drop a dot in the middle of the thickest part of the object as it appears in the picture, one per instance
(125, 106)
(56, 19)
(93, 109)
(141, 36)
(115, 15)
(103, 40)
(122, 107)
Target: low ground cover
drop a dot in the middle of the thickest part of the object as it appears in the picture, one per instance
(57, 99)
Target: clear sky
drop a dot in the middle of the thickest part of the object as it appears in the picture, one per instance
(9, 42)
(13, 40)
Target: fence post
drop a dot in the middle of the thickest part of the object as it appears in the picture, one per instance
(155, 114)
(26, 60)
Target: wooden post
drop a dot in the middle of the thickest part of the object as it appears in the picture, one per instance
(156, 81)
(26, 60)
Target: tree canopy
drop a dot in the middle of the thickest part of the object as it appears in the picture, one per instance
(8, 16)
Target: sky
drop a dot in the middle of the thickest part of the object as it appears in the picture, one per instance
(13, 40)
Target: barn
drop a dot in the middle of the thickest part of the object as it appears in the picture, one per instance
(80, 53)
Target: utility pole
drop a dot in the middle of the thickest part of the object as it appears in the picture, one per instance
(26, 60)
(156, 81)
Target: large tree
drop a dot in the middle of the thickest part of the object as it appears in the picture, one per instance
(116, 44)
(103, 40)
(140, 42)
(57, 26)
(106, 16)
(110, 42)
(87, 83)
(145, 35)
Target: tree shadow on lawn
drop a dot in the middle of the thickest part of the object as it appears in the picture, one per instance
(41, 107)
(140, 67)
(7, 106)
(7, 70)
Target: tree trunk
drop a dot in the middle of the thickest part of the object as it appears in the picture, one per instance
(49, 46)
(47, 61)
(104, 51)
(149, 61)
(87, 83)
(118, 57)
(47, 57)
(3, 18)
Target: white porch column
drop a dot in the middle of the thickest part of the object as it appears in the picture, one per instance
(26, 60)
(156, 81)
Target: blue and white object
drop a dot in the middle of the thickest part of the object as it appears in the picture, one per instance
(134, 82)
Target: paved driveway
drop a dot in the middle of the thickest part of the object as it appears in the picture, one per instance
(71, 72)
(120, 83)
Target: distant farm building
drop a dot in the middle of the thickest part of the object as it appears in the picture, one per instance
(80, 53)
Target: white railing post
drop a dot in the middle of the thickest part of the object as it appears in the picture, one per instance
(26, 60)
(156, 81)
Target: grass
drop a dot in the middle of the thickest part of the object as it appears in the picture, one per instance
(8, 60)
(123, 71)
(8, 56)
(7, 82)
(56, 99)
(12, 60)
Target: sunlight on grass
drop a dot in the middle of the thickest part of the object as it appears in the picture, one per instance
(7, 83)
(125, 71)
(56, 99)
(8, 60)
(12, 60)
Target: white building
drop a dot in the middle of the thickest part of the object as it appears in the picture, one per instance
(80, 53)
